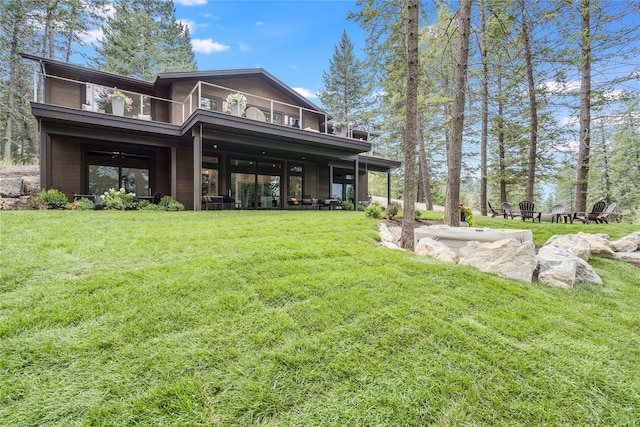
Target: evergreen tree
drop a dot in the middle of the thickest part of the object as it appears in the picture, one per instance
(143, 39)
(346, 94)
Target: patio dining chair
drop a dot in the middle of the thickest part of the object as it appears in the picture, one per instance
(587, 217)
(527, 210)
(507, 212)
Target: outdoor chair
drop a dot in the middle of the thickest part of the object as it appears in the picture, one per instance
(255, 114)
(607, 215)
(494, 212)
(558, 212)
(587, 217)
(527, 210)
(507, 212)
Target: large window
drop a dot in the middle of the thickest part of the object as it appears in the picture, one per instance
(117, 169)
(210, 103)
(133, 180)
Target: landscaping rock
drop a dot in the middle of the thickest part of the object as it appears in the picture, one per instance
(390, 245)
(507, 258)
(30, 185)
(16, 203)
(435, 249)
(630, 243)
(600, 246)
(390, 234)
(557, 266)
(576, 245)
(561, 268)
(10, 187)
(632, 258)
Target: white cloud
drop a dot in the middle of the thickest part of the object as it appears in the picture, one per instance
(208, 46)
(556, 87)
(191, 2)
(305, 92)
(259, 23)
(92, 35)
(243, 46)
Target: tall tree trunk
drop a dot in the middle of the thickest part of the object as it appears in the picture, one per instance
(484, 94)
(533, 107)
(502, 170)
(425, 180)
(11, 88)
(582, 183)
(411, 129)
(454, 153)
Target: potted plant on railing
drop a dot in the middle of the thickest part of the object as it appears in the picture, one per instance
(236, 103)
(119, 101)
(340, 129)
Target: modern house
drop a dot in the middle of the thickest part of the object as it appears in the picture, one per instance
(241, 137)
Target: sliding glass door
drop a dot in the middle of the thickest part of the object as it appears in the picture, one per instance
(255, 191)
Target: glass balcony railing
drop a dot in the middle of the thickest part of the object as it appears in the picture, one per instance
(203, 96)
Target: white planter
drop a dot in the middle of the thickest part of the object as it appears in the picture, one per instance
(235, 110)
(117, 104)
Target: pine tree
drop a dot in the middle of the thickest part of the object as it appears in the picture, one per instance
(143, 39)
(346, 94)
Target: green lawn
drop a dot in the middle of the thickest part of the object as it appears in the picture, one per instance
(297, 319)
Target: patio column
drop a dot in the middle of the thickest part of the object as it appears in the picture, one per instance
(330, 181)
(389, 187)
(197, 169)
(174, 172)
(356, 183)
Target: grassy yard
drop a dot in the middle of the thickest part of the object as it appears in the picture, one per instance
(297, 319)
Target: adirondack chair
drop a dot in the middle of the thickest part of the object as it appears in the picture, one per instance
(494, 212)
(608, 214)
(557, 212)
(507, 212)
(587, 217)
(527, 210)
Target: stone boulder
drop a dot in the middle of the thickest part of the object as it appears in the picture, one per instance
(16, 203)
(632, 258)
(561, 268)
(630, 243)
(600, 246)
(10, 187)
(506, 258)
(31, 184)
(435, 249)
(576, 245)
(390, 234)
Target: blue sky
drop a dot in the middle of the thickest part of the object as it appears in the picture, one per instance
(291, 39)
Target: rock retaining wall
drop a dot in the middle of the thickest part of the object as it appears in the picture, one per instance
(18, 185)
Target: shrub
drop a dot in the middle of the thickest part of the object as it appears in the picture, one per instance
(373, 210)
(168, 203)
(51, 199)
(418, 214)
(392, 210)
(347, 205)
(118, 199)
(83, 204)
(361, 208)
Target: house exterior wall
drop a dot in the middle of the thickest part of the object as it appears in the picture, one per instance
(66, 161)
(63, 93)
(184, 183)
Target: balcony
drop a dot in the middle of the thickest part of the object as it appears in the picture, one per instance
(93, 97)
